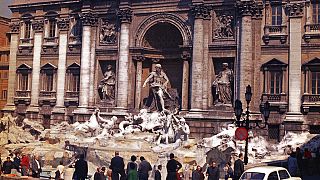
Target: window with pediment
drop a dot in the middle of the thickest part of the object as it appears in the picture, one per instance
(48, 76)
(73, 78)
(23, 77)
(274, 72)
(312, 76)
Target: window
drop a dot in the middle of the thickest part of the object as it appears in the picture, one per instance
(52, 28)
(315, 82)
(316, 12)
(274, 74)
(5, 75)
(73, 78)
(23, 75)
(275, 82)
(4, 94)
(273, 176)
(253, 175)
(314, 129)
(27, 30)
(48, 78)
(274, 132)
(276, 13)
(284, 174)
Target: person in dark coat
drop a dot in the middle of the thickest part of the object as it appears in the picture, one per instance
(172, 168)
(213, 171)
(81, 168)
(157, 175)
(238, 167)
(117, 167)
(7, 166)
(197, 174)
(16, 162)
(97, 174)
(36, 166)
(144, 168)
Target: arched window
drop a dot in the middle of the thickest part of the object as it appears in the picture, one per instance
(73, 78)
(48, 76)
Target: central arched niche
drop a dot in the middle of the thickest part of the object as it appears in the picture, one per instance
(162, 36)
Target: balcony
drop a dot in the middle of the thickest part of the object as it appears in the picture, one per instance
(277, 101)
(25, 46)
(22, 97)
(71, 98)
(312, 32)
(50, 41)
(47, 98)
(275, 32)
(26, 42)
(310, 101)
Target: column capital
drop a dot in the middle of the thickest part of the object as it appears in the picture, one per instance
(201, 11)
(37, 25)
(14, 27)
(138, 58)
(88, 19)
(125, 15)
(63, 24)
(186, 56)
(294, 9)
(249, 8)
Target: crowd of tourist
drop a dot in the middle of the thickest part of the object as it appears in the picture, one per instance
(32, 166)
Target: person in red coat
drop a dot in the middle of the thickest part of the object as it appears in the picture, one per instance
(25, 163)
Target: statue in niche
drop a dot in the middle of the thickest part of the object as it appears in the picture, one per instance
(222, 86)
(107, 33)
(224, 28)
(107, 85)
(159, 96)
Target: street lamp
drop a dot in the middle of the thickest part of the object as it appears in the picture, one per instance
(246, 122)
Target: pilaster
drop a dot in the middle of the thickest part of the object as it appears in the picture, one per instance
(37, 26)
(125, 17)
(295, 13)
(186, 57)
(92, 63)
(14, 31)
(138, 59)
(63, 26)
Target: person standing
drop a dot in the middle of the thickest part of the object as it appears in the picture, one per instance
(144, 168)
(7, 166)
(17, 162)
(133, 159)
(117, 167)
(213, 172)
(157, 175)
(97, 174)
(173, 167)
(238, 167)
(132, 173)
(292, 164)
(25, 164)
(228, 171)
(36, 166)
(60, 168)
(81, 168)
(197, 174)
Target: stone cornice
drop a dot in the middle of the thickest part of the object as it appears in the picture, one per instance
(294, 9)
(14, 27)
(249, 8)
(201, 11)
(125, 15)
(37, 25)
(63, 24)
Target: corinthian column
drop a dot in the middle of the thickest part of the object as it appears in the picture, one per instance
(12, 66)
(246, 9)
(38, 29)
(63, 25)
(199, 12)
(295, 12)
(124, 16)
(85, 61)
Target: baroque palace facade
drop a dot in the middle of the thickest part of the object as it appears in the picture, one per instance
(60, 51)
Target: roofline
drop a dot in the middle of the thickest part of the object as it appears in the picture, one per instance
(28, 4)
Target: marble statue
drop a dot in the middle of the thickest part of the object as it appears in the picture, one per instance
(107, 85)
(222, 85)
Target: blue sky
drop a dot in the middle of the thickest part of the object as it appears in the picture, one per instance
(4, 10)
